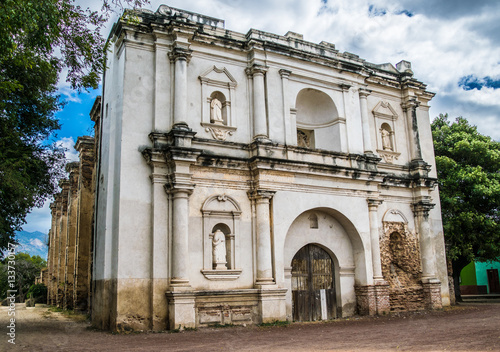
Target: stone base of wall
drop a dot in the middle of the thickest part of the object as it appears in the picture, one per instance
(236, 307)
(373, 299)
(432, 293)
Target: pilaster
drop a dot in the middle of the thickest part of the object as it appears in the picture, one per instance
(180, 56)
(367, 143)
(409, 106)
(259, 101)
(263, 232)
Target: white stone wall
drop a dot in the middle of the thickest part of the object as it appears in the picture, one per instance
(348, 172)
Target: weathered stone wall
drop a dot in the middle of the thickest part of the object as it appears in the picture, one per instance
(70, 237)
(401, 267)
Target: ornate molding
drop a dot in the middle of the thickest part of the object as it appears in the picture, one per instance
(388, 156)
(219, 132)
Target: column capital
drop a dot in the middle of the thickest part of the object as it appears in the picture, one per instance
(364, 93)
(178, 188)
(345, 87)
(261, 194)
(373, 203)
(422, 208)
(256, 70)
(285, 73)
(410, 102)
(180, 54)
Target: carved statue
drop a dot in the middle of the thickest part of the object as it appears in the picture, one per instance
(216, 111)
(219, 250)
(386, 139)
(303, 139)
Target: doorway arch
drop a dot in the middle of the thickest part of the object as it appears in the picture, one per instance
(313, 284)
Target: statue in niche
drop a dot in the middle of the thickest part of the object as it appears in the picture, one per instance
(219, 250)
(303, 139)
(386, 139)
(216, 112)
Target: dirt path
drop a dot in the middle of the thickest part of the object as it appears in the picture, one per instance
(471, 327)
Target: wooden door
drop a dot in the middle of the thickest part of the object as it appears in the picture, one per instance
(493, 281)
(313, 289)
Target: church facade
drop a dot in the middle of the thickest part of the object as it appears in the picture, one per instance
(248, 178)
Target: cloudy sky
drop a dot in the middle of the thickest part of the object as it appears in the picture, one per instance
(453, 45)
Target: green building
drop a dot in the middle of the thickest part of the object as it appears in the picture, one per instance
(480, 278)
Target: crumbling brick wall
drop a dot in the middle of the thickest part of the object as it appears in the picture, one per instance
(401, 267)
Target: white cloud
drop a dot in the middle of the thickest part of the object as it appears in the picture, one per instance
(39, 219)
(68, 143)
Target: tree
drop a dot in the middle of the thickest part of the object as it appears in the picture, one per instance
(26, 269)
(468, 167)
(38, 39)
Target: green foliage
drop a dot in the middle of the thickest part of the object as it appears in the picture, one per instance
(26, 269)
(468, 167)
(38, 39)
(38, 292)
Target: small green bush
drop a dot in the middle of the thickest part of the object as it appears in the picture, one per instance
(38, 292)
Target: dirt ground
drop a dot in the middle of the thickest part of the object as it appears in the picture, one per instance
(469, 327)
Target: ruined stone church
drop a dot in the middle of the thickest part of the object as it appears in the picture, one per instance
(247, 178)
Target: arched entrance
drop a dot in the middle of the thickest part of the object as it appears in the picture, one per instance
(313, 285)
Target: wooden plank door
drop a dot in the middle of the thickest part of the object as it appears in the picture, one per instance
(313, 289)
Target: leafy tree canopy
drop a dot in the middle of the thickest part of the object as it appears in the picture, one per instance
(38, 40)
(25, 268)
(468, 167)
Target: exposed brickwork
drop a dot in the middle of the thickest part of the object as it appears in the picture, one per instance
(401, 267)
(432, 294)
(366, 300)
(382, 297)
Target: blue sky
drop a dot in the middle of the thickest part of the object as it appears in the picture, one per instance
(453, 45)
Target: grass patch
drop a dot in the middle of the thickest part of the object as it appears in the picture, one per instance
(282, 323)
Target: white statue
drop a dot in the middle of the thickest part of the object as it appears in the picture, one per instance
(216, 111)
(386, 139)
(219, 250)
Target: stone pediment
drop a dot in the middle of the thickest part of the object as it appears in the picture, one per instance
(384, 110)
(394, 215)
(218, 76)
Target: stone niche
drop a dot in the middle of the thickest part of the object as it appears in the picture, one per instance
(221, 222)
(401, 266)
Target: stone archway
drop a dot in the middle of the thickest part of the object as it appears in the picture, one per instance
(336, 236)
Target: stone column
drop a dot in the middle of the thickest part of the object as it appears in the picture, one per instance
(367, 143)
(430, 283)
(410, 110)
(180, 58)
(259, 101)
(344, 143)
(85, 147)
(72, 228)
(285, 74)
(180, 233)
(263, 227)
(374, 238)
